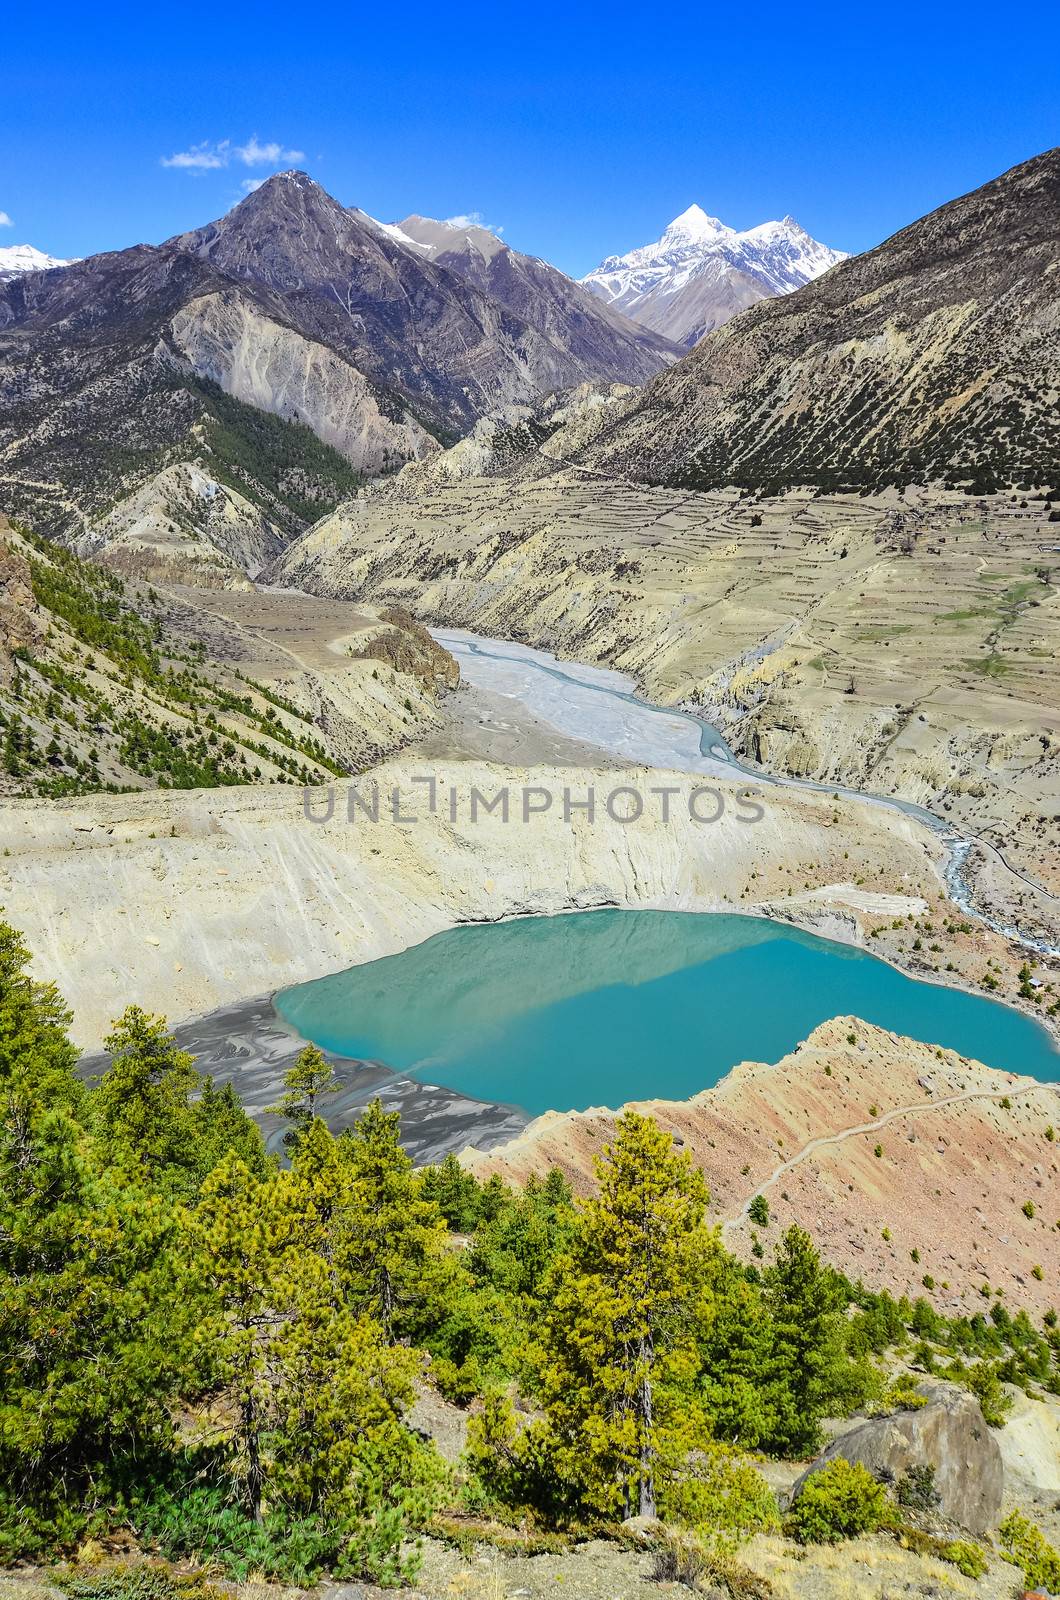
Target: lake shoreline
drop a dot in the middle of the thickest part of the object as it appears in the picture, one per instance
(629, 998)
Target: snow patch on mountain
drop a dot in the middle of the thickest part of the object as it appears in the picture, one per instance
(18, 258)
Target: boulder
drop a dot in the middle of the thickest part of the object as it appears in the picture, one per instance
(947, 1434)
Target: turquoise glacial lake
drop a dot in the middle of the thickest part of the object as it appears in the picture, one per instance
(600, 1007)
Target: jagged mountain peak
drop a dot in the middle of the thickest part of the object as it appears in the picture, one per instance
(290, 214)
(695, 223)
(701, 272)
(442, 238)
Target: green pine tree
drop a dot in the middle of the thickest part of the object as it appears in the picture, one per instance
(96, 1314)
(305, 1084)
(744, 1391)
(222, 1126)
(617, 1358)
(392, 1255)
(241, 1239)
(455, 1192)
(805, 1300)
(142, 1109)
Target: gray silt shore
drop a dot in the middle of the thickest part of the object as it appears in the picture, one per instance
(250, 1046)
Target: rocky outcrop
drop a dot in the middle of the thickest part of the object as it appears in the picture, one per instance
(949, 1436)
(18, 607)
(184, 526)
(407, 647)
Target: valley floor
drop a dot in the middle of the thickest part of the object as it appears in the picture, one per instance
(905, 644)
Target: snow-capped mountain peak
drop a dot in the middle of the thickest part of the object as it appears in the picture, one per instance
(18, 258)
(695, 225)
(701, 272)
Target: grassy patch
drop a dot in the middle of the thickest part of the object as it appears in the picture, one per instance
(991, 666)
(967, 614)
(876, 632)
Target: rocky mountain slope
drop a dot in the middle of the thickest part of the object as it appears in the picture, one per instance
(940, 1209)
(701, 273)
(543, 295)
(116, 368)
(934, 356)
(904, 644)
(283, 349)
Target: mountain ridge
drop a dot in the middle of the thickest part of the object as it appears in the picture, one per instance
(536, 290)
(934, 356)
(18, 258)
(292, 305)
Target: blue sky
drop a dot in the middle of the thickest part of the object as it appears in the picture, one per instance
(578, 129)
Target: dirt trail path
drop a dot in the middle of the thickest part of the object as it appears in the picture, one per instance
(830, 1139)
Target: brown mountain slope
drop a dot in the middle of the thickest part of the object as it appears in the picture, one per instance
(115, 368)
(934, 356)
(447, 344)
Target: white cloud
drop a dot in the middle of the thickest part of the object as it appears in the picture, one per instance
(209, 157)
(254, 154)
(250, 184)
(203, 157)
(474, 219)
(5, 220)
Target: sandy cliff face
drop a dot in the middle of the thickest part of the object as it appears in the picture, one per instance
(962, 1148)
(227, 339)
(184, 902)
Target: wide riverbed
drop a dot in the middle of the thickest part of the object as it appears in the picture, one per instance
(603, 1007)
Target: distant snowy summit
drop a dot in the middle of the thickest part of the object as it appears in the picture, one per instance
(701, 273)
(18, 258)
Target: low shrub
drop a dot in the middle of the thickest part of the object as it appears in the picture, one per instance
(916, 1489)
(189, 1516)
(899, 1395)
(1025, 1546)
(723, 1497)
(839, 1502)
(967, 1558)
(679, 1559)
(461, 1383)
(149, 1580)
(983, 1381)
(960, 1553)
